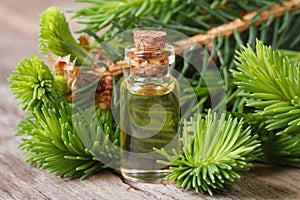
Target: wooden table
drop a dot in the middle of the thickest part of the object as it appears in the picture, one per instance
(18, 38)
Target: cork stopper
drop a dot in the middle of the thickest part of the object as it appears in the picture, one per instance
(149, 40)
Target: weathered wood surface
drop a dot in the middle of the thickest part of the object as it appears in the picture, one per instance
(19, 38)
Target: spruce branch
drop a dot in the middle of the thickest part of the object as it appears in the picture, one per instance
(56, 36)
(272, 85)
(223, 39)
(214, 150)
(53, 142)
(51, 138)
(189, 17)
(273, 22)
(240, 24)
(33, 83)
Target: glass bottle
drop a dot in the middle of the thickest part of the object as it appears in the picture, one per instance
(149, 108)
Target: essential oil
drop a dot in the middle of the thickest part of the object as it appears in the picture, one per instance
(150, 112)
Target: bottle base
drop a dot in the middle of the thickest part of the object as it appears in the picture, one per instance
(149, 176)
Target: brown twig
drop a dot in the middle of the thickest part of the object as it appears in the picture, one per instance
(238, 24)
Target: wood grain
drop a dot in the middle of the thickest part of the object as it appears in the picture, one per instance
(18, 180)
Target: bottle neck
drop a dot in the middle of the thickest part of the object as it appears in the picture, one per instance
(149, 63)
